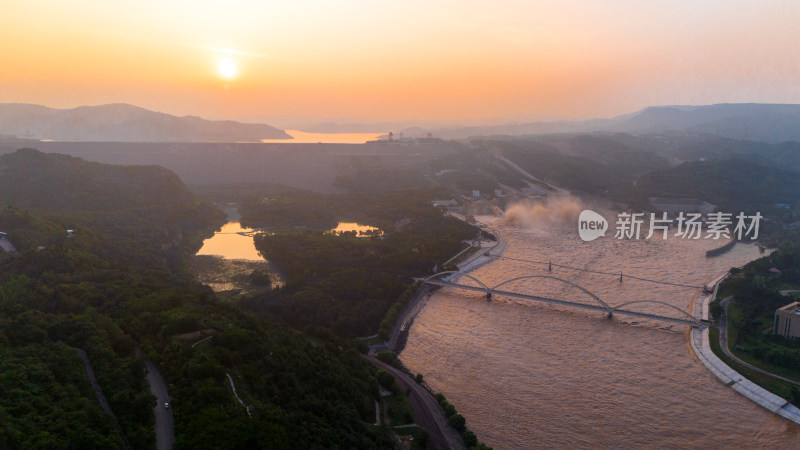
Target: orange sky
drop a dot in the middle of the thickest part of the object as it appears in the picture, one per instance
(391, 60)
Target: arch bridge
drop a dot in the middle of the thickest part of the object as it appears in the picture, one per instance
(598, 304)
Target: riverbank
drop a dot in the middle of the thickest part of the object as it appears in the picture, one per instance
(700, 344)
(421, 396)
(427, 413)
(566, 364)
(480, 257)
(723, 344)
(720, 250)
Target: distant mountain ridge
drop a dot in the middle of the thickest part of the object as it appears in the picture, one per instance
(750, 121)
(121, 122)
(773, 123)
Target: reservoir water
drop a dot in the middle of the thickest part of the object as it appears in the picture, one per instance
(307, 137)
(232, 242)
(538, 376)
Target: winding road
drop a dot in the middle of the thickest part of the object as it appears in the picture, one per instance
(428, 415)
(165, 435)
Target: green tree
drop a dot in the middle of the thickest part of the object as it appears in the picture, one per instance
(457, 421)
(385, 379)
(470, 440)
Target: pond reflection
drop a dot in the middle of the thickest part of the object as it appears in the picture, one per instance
(357, 228)
(232, 242)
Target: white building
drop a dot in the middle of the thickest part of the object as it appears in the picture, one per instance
(787, 321)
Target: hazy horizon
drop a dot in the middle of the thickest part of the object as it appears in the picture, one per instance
(307, 125)
(441, 61)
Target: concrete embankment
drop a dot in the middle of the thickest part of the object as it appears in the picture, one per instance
(699, 341)
(487, 253)
(720, 250)
(427, 411)
(723, 343)
(428, 415)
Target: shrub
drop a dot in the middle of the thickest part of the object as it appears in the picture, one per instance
(457, 421)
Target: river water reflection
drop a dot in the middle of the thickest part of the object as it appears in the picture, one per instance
(232, 242)
(533, 376)
(357, 228)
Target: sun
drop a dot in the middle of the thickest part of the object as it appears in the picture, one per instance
(227, 68)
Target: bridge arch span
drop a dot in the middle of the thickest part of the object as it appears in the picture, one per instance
(686, 314)
(462, 274)
(685, 317)
(581, 288)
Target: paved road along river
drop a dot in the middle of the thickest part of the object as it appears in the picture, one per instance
(530, 376)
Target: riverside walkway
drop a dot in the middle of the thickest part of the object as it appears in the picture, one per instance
(723, 344)
(701, 347)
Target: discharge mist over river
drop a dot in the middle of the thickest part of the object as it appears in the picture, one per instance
(532, 375)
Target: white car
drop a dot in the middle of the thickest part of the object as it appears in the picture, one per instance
(166, 405)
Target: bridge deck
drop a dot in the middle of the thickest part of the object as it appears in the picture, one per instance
(591, 307)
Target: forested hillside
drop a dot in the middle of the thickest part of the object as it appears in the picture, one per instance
(345, 283)
(107, 290)
(731, 184)
(145, 210)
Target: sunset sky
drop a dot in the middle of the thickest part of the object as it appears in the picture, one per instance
(389, 60)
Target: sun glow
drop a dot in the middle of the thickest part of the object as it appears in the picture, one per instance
(507, 59)
(227, 68)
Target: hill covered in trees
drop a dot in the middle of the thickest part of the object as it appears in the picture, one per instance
(346, 283)
(123, 123)
(732, 174)
(731, 184)
(145, 209)
(109, 294)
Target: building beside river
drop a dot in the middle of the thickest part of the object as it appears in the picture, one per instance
(5, 244)
(678, 205)
(787, 320)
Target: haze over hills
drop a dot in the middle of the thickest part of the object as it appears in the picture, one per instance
(751, 121)
(123, 123)
(772, 123)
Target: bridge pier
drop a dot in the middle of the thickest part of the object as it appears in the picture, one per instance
(684, 317)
